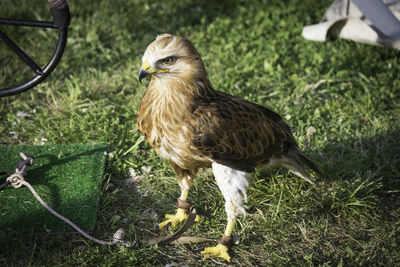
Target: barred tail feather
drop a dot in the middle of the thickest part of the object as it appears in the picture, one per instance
(298, 170)
(293, 161)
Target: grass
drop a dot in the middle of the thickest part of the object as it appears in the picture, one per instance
(348, 92)
(67, 177)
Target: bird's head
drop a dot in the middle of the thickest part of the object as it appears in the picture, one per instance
(171, 56)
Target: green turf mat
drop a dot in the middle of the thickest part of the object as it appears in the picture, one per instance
(67, 177)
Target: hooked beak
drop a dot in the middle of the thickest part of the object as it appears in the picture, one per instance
(143, 73)
(145, 70)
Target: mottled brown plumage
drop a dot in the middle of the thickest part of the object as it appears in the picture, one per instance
(189, 123)
(193, 126)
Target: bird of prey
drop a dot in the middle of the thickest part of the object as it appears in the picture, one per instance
(193, 126)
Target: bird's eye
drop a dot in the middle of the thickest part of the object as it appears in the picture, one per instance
(168, 60)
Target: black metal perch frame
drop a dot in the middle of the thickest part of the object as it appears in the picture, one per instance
(61, 19)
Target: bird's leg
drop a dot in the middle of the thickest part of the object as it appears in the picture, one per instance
(181, 215)
(233, 184)
(185, 178)
(221, 250)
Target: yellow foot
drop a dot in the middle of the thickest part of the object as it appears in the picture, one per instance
(173, 220)
(219, 251)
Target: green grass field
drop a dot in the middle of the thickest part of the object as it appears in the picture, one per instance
(348, 92)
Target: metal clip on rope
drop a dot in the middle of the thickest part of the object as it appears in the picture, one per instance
(16, 179)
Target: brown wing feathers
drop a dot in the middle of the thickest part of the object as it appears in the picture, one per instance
(238, 133)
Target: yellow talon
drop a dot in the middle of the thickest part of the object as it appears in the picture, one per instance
(173, 219)
(219, 251)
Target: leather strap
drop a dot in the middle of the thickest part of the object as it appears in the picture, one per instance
(183, 204)
(226, 241)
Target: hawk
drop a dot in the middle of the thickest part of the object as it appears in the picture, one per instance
(193, 126)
